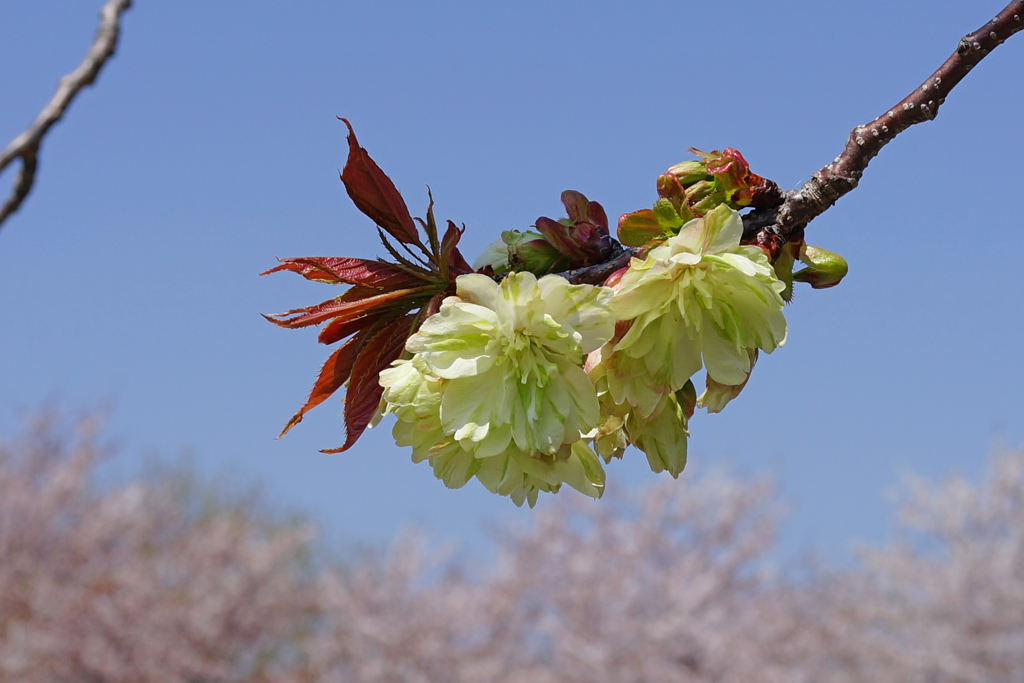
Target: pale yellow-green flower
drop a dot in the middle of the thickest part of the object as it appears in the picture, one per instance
(717, 395)
(415, 398)
(662, 437)
(495, 387)
(699, 299)
(659, 430)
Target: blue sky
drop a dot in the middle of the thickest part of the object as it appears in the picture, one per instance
(128, 281)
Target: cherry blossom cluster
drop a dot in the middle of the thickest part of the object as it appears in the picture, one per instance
(560, 346)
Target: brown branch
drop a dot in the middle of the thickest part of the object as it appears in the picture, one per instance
(26, 146)
(842, 175)
(598, 273)
(595, 274)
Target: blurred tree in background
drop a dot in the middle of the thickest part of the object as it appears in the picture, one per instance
(149, 581)
(157, 581)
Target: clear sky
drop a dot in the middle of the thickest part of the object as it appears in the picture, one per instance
(128, 280)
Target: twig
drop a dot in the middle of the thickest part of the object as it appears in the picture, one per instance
(842, 175)
(26, 146)
(596, 274)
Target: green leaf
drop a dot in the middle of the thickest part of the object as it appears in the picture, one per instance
(639, 228)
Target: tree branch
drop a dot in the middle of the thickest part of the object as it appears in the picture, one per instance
(842, 175)
(596, 274)
(26, 146)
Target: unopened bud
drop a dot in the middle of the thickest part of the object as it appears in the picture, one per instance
(824, 268)
(703, 196)
(689, 172)
(669, 188)
(529, 251)
(730, 169)
(741, 186)
(613, 281)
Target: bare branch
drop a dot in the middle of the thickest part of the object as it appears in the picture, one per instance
(842, 175)
(596, 274)
(26, 146)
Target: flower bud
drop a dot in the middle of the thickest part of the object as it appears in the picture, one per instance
(703, 196)
(734, 177)
(729, 168)
(613, 280)
(689, 172)
(824, 269)
(529, 251)
(670, 188)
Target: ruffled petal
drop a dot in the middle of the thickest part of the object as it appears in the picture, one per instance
(496, 379)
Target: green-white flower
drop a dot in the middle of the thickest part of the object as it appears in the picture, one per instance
(415, 398)
(661, 437)
(495, 387)
(701, 295)
(717, 395)
(659, 430)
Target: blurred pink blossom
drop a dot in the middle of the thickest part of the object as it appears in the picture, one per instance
(148, 582)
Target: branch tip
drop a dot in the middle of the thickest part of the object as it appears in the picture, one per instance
(843, 174)
(26, 146)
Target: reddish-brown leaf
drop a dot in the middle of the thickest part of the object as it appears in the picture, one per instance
(364, 391)
(594, 243)
(450, 255)
(357, 293)
(596, 215)
(581, 210)
(558, 235)
(430, 225)
(333, 375)
(348, 306)
(339, 328)
(576, 205)
(350, 271)
(374, 194)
